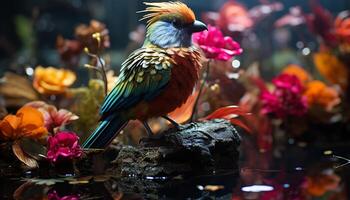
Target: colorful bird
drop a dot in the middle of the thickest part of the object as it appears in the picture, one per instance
(155, 79)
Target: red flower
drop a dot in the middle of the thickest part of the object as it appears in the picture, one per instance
(286, 99)
(320, 22)
(215, 45)
(63, 145)
(69, 51)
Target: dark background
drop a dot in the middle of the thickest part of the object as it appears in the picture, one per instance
(59, 17)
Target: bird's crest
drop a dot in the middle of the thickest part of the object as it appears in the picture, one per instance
(157, 10)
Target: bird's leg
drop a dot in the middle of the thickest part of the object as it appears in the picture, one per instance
(148, 129)
(173, 122)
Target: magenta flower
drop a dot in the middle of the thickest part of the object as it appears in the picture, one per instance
(54, 196)
(286, 99)
(215, 45)
(288, 82)
(63, 145)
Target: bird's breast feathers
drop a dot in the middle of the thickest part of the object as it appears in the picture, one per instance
(185, 66)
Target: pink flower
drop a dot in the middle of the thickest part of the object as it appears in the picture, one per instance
(288, 82)
(215, 45)
(53, 118)
(63, 145)
(54, 196)
(234, 17)
(295, 17)
(286, 99)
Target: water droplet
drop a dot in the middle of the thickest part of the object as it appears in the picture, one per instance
(328, 152)
(29, 71)
(306, 51)
(300, 44)
(299, 168)
(200, 187)
(69, 175)
(236, 64)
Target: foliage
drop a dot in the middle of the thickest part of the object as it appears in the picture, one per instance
(87, 101)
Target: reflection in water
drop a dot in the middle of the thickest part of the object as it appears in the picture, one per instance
(309, 180)
(52, 195)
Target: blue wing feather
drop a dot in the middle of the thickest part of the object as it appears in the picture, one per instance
(136, 82)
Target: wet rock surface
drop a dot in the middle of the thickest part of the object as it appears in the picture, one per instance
(196, 148)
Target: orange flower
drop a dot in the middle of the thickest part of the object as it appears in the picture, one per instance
(317, 93)
(297, 71)
(319, 185)
(52, 81)
(28, 122)
(331, 68)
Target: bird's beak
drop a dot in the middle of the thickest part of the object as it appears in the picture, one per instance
(198, 26)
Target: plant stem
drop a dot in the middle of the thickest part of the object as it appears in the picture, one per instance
(103, 69)
(104, 75)
(204, 80)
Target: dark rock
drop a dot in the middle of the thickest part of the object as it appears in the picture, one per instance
(95, 162)
(197, 148)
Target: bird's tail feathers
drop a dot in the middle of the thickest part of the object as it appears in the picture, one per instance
(106, 131)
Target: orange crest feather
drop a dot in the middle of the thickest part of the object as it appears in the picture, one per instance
(157, 10)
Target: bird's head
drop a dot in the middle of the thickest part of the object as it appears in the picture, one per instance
(170, 24)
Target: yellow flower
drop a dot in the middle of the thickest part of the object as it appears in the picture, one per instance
(331, 68)
(28, 122)
(297, 71)
(317, 93)
(52, 81)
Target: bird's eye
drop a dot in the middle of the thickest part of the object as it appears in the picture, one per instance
(176, 22)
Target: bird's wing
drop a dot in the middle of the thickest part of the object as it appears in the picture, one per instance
(143, 76)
